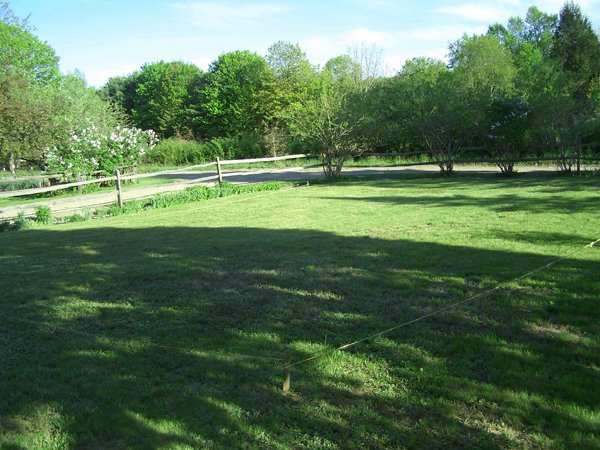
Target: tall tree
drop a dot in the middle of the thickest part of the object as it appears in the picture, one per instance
(22, 51)
(577, 49)
(536, 29)
(326, 120)
(162, 98)
(236, 97)
(26, 119)
(28, 67)
(120, 91)
(576, 52)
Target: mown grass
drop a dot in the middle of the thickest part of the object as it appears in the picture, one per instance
(128, 332)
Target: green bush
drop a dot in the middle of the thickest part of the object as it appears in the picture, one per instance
(21, 222)
(75, 218)
(189, 195)
(17, 185)
(238, 147)
(177, 151)
(43, 215)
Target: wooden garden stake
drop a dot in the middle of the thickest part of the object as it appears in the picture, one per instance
(287, 359)
(119, 192)
(219, 174)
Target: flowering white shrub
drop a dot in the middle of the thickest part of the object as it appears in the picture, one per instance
(90, 150)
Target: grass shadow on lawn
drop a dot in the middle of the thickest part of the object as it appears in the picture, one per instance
(519, 368)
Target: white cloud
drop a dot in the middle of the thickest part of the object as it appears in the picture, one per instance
(477, 12)
(99, 76)
(443, 33)
(554, 6)
(366, 36)
(219, 15)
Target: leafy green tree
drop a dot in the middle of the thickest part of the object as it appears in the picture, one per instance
(445, 121)
(344, 69)
(576, 52)
(510, 132)
(163, 94)
(22, 51)
(577, 49)
(294, 74)
(537, 29)
(77, 106)
(326, 120)
(236, 97)
(26, 119)
(293, 77)
(28, 67)
(121, 91)
(483, 65)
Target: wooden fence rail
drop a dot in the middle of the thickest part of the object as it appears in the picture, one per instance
(58, 187)
(218, 163)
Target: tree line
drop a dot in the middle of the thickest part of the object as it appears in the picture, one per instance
(530, 86)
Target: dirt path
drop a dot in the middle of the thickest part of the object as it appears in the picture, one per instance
(70, 205)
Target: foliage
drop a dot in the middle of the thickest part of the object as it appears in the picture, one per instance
(177, 151)
(121, 91)
(43, 215)
(190, 195)
(39, 107)
(532, 81)
(577, 49)
(22, 52)
(15, 185)
(235, 98)
(91, 150)
(22, 222)
(343, 69)
(325, 119)
(26, 117)
(163, 97)
(509, 134)
(293, 73)
(537, 30)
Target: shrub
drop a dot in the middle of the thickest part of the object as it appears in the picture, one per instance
(238, 147)
(21, 222)
(91, 149)
(43, 215)
(17, 185)
(75, 218)
(177, 151)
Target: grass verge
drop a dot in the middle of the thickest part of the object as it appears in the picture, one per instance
(43, 214)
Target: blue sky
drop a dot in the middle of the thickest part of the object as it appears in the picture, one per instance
(104, 38)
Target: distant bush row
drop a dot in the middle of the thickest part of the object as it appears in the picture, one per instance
(177, 151)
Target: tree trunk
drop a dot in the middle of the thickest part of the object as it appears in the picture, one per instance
(578, 154)
(11, 164)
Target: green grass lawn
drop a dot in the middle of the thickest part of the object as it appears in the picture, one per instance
(130, 332)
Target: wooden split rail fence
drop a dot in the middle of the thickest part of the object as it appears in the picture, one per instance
(118, 177)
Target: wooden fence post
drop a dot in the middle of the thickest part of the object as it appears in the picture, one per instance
(80, 187)
(219, 174)
(119, 192)
(287, 359)
(134, 171)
